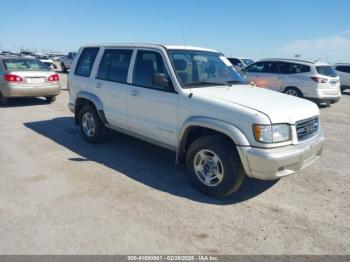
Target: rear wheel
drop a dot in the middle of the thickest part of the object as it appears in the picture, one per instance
(214, 166)
(91, 126)
(3, 100)
(50, 99)
(292, 91)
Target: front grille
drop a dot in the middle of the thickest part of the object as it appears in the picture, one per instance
(307, 128)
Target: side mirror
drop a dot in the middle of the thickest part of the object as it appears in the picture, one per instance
(160, 80)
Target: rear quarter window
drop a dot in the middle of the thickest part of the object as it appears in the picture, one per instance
(86, 61)
(326, 71)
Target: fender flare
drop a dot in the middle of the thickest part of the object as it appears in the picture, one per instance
(95, 100)
(225, 128)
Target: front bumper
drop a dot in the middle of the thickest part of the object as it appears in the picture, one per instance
(270, 164)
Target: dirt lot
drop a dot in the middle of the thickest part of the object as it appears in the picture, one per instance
(59, 194)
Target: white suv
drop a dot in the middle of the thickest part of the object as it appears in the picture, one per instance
(343, 70)
(192, 101)
(317, 81)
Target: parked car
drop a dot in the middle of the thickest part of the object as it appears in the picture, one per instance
(46, 60)
(66, 61)
(343, 70)
(240, 62)
(27, 54)
(316, 81)
(192, 101)
(26, 77)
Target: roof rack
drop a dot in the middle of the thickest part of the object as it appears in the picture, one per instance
(288, 59)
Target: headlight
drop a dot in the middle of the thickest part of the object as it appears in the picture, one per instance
(272, 133)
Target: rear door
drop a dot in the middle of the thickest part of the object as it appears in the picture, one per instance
(152, 109)
(111, 84)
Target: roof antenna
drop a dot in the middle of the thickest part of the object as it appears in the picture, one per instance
(183, 35)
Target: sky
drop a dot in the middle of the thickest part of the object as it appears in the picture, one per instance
(313, 29)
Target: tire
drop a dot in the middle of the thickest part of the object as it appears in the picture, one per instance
(3, 100)
(230, 167)
(63, 68)
(50, 99)
(293, 91)
(91, 126)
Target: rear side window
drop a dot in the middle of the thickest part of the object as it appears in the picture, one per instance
(86, 61)
(114, 65)
(344, 69)
(297, 69)
(326, 71)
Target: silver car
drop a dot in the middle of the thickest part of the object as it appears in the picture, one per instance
(26, 77)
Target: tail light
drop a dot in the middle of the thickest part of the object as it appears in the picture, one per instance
(13, 78)
(54, 77)
(319, 79)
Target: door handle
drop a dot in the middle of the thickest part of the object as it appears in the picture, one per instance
(135, 93)
(99, 85)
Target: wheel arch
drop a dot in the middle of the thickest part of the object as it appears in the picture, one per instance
(195, 127)
(84, 98)
(293, 87)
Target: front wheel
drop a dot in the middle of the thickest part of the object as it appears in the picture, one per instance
(214, 166)
(91, 126)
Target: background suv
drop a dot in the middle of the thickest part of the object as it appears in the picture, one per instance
(343, 70)
(315, 81)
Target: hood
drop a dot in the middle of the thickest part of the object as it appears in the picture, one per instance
(280, 108)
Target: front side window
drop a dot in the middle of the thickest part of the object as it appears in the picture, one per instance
(326, 71)
(276, 68)
(147, 65)
(114, 65)
(24, 64)
(256, 68)
(86, 61)
(200, 68)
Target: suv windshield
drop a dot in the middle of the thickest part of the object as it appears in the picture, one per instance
(326, 71)
(24, 64)
(199, 68)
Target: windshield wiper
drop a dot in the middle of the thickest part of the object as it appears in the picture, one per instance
(203, 83)
(231, 82)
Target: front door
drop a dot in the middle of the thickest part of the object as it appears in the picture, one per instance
(152, 109)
